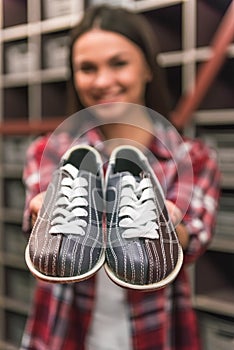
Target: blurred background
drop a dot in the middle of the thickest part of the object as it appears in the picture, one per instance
(197, 53)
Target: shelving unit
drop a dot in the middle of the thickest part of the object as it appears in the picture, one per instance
(32, 100)
(32, 90)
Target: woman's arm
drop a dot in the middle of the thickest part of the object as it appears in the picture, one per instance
(200, 218)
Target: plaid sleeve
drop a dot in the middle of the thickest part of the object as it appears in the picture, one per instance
(33, 179)
(201, 214)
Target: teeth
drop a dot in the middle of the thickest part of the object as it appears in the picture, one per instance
(108, 97)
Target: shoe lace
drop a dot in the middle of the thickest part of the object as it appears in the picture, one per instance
(137, 208)
(71, 204)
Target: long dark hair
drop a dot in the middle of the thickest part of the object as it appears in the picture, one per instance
(136, 28)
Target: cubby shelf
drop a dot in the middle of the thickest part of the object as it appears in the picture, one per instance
(185, 29)
(223, 244)
(28, 80)
(215, 304)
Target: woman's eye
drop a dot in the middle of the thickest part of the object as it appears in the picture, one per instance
(120, 63)
(86, 68)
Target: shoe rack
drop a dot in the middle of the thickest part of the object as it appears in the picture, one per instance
(33, 75)
(212, 277)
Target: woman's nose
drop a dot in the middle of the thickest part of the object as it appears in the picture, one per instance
(103, 78)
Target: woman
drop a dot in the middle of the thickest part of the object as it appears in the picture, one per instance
(113, 65)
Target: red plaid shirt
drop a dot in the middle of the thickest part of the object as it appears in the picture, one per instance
(161, 320)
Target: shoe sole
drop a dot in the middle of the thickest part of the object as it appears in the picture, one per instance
(54, 279)
(148, 287)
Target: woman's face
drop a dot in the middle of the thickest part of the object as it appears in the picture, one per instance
(109, 68)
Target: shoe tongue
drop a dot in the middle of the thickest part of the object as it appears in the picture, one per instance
(89, 175)
(128, 173)
(84, 173)
(71, 170)
(74, 172)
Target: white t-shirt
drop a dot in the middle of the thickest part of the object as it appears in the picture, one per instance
(110, 326)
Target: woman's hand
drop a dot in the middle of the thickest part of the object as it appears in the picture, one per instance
(176, 218)
(35, 206)
(174, 213)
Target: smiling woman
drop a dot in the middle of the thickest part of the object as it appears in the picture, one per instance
(132, 34)
(116, 73)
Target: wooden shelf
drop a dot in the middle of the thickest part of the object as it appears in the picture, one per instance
(59, 23)
(214, 117)
(13, 260)
(33, 102)
(11, 215)
(222, 244)
(12, 171)
(14, 33)
(14, 305)
(37, 28)
(7, 346)
(147, 5)
(30, 128)
(35, 77)
(222, 304)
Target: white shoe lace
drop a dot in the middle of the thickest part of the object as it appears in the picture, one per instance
(137, 208)
(71, 205)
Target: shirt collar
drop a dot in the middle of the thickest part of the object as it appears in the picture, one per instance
(166, 139)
